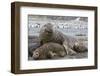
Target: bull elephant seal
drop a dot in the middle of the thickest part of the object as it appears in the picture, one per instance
(49, 51)
(48, 33)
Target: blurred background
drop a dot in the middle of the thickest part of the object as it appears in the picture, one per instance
(70, 25)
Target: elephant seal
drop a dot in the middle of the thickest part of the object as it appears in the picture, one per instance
(49, 51)
(49, 33)
(80, 47)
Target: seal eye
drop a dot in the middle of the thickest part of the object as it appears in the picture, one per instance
(35, 54)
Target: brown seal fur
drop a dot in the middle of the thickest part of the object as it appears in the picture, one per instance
(49, 51)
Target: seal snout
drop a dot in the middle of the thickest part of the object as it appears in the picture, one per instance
(35, 54)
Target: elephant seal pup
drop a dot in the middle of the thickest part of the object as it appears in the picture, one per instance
(49, 51)
(49, 33)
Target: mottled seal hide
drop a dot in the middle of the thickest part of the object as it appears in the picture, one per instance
(80, 47)
(49, 51)
(48, 33)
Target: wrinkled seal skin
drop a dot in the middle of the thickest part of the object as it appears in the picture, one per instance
(48, 33)
(49, 51)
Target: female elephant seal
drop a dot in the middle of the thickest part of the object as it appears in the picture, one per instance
(49, 51)
(48, 33)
